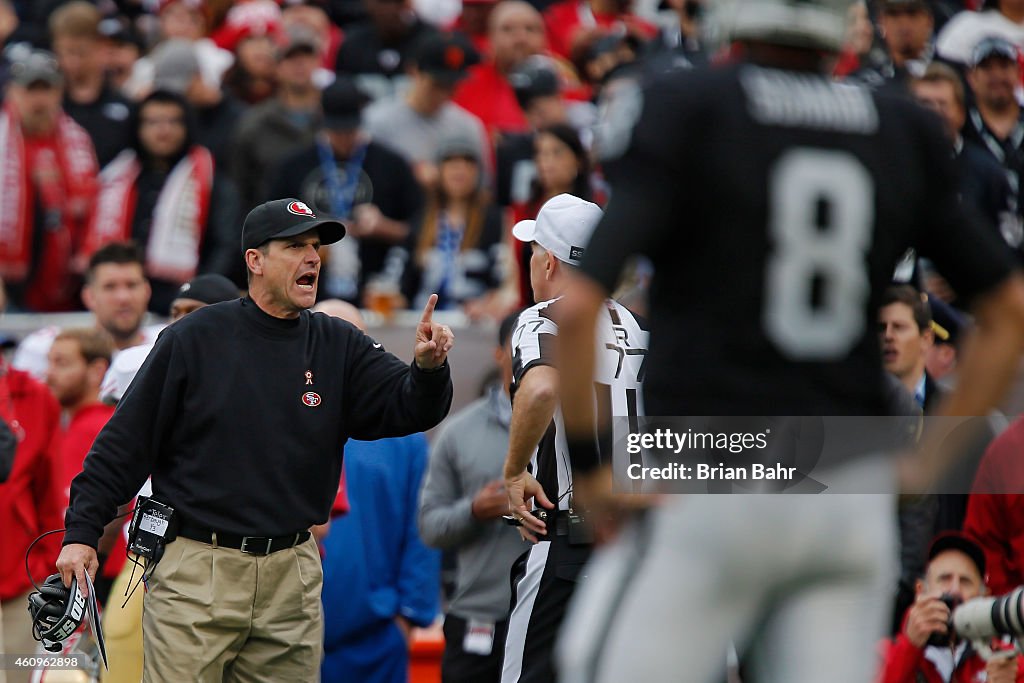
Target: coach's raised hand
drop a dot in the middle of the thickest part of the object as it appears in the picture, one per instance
(433, 340)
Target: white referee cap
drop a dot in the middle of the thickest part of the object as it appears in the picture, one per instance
(563, 227)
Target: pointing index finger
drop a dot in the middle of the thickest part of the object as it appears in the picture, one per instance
(428, 310)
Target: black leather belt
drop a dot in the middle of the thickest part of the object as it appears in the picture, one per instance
(561, 520)
(253, 545)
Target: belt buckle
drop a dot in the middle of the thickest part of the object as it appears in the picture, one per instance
(245, 543)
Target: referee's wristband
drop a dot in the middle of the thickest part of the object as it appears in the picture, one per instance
(584, 455)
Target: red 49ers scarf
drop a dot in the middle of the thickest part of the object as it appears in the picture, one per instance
(67, 192)
(179, 218)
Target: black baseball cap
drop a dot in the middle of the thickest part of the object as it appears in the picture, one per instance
(211, 288)
(947, 323)
(535, 77)
(445, 57)
(956, 540)
(342, 103)
(282, 218)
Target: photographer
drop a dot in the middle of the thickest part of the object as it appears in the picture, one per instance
(925, 650)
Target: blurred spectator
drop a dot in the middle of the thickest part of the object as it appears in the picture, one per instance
(517, 32)
(984, 185)
(121, 48)
(995, 509)
(562, 167)
(31, 503)
(905, 331)
(167, 195)
(473, 22)
(599, 55)
(379, 49)
(925, 650)
(538, 90)
(244, 20)
(567, 19)
(1000, 19)
(380, 580)
(88, 98)
(681, 45)
(414, 124)
(251, 78)
(859, 41)
(184, 20)
(456, 248)
(310, 16)
(950, 327)
(47, 187)
(32, 14)
(8, 25)
(995, 122)
(271, 131)
(78, 360)
(176, 70)
(346, 175)
(116, 291)
(906, 30)
(461, 505)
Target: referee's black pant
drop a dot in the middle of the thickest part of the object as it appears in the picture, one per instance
(543, 581)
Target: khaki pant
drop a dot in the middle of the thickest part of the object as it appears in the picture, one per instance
(217, 614)
(122, 628)
(17, 635)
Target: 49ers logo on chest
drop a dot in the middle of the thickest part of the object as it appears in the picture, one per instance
(311, 399)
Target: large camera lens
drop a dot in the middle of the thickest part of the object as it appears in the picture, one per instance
(983, 618)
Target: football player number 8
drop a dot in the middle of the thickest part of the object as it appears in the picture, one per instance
(822, 215)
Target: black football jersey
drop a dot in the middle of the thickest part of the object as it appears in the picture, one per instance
(774, 206)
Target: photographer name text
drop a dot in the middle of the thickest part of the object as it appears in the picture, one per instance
(705, 472)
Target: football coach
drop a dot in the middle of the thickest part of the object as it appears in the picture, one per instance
(240, 414)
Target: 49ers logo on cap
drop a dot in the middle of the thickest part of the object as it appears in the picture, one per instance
(311, 399)
(300, 209)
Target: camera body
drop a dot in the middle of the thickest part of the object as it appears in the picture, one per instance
(944, 639)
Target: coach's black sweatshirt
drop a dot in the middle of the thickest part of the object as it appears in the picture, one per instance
(240, 418)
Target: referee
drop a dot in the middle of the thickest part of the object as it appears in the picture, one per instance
(239, 414)
(545, 577)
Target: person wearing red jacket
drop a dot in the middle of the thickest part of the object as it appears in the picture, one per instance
(30, 504)
(516, 33)
(569, 20)
(923, 651)
(995, 509)
(78, 361)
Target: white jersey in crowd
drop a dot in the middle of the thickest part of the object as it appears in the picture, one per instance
(32, 354)
(621, 347)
